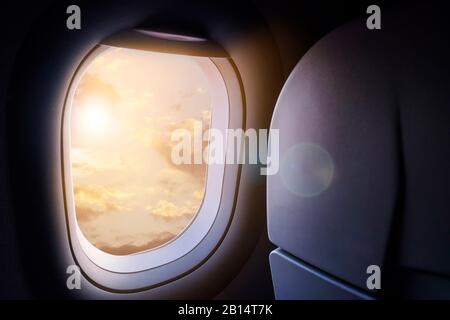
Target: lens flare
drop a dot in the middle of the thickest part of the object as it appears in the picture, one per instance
(306, 170)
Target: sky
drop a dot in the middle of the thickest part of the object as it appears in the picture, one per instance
(129, 196)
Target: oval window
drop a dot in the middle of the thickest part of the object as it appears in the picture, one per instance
(129, 196)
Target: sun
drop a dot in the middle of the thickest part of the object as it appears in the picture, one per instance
(95, 116)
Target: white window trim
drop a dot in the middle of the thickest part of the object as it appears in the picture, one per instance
(130, 282)
(193, 234)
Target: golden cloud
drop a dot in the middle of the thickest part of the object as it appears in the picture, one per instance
(92, 86)
(157, 135)
(92, 201)
(166, 209)
(85, 164)
(156, 240)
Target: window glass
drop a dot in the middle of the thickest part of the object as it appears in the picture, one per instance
(129, 195)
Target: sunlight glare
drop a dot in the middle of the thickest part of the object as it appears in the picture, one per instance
(95, 116)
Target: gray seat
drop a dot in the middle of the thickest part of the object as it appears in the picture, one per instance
(364, 162)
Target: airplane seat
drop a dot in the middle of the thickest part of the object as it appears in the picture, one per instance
(364, 152)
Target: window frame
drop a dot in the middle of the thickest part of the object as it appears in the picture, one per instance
(201, 237)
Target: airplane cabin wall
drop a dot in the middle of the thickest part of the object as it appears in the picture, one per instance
(294, 32)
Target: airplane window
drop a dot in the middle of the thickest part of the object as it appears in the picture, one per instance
(129, 196)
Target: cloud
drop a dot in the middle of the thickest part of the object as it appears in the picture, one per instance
(199, 194)
(84, 163)
(92, 201)
(157, 135)
(176, 181)
(169, 210)
(111, 61)
(92, 86)
(156, 240)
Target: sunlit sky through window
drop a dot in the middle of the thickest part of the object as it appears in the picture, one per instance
(129, 196)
